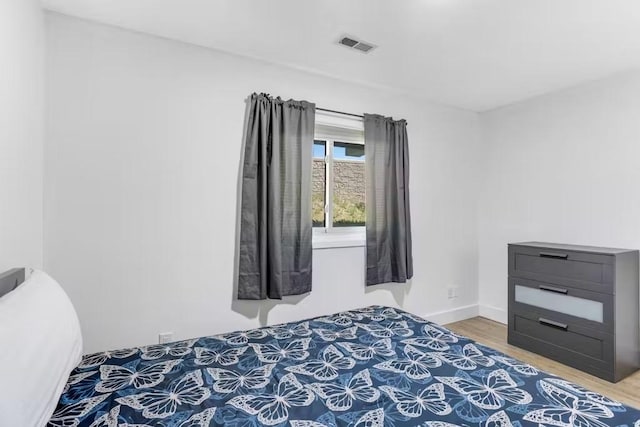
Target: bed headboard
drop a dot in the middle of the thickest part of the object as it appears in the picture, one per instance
(9, 280)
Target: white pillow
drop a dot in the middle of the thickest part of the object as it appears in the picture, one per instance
(40, 344)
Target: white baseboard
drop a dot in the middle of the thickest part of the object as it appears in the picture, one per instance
(453, 315)
(493, 313)
(467, 312)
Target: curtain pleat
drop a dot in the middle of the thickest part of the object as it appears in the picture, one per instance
(276, 223)
(388, 225)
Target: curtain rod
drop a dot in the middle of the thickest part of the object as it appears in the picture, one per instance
(340, 112)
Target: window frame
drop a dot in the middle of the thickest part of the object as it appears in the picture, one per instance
(330, 236)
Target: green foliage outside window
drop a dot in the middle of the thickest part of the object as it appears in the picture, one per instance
(346, 213)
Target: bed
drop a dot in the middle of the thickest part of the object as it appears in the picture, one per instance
(376, 366)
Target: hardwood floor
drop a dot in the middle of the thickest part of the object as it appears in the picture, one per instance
(494, 335)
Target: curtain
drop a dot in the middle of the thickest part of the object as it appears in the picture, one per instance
(388, 225)
(275, 222)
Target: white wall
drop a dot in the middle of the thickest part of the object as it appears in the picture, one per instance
(564, 167)
(141, 169)
(21, 118)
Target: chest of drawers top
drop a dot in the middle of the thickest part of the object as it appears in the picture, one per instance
(574, 248)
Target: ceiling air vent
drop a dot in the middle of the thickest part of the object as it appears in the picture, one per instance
(354, 43)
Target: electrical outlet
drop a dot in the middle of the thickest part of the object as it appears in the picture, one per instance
(165, 337)
(452, 293)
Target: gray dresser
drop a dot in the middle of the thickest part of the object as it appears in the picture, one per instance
(577, 305)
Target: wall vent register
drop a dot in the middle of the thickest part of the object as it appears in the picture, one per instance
(577, 305)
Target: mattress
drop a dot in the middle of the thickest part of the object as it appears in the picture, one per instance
(376, 366)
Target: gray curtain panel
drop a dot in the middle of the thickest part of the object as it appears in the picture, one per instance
(389, 256)
(275, 223)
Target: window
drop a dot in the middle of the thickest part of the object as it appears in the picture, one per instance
(319, 182)
(338, 181)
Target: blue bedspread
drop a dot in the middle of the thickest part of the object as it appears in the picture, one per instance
(373, 367)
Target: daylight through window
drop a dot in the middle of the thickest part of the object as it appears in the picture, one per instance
(338, 183)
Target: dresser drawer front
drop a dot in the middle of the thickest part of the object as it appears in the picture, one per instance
(590, 271)
(578, 347)
(573, 306)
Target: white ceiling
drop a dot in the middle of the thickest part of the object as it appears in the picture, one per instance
(474, 54)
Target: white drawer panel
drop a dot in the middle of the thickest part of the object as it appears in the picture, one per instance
(567, 304)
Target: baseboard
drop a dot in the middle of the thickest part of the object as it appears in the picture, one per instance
(453, 315)
(493, 313)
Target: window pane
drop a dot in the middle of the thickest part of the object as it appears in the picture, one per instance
(348, 185)
(345, 151)
(319, 149)
(319, 179)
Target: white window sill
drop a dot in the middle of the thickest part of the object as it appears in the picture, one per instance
(338, 240)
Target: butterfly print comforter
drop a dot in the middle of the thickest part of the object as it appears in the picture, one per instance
(373, 367)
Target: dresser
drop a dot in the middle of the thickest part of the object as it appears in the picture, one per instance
(577, 305)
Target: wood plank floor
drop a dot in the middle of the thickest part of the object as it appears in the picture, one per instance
(494, 335)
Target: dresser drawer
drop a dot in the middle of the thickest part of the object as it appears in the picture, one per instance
(582, 348)
(568, 305)
(585, 270)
